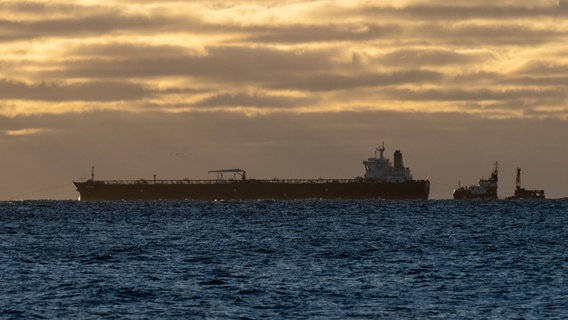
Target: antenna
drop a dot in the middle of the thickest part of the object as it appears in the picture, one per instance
(381, 149)
(93, 173)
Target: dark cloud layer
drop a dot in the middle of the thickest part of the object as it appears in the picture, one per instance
(436, 57)
(64, 20)
(420, 52)
(241, 99)
(334, 82)
(466, 11)
(57, 92)
(302, 33)
(477, 95)
(220, 63)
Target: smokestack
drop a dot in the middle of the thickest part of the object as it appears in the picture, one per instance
(398, 160)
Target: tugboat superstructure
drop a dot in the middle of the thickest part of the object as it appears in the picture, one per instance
(486, 189)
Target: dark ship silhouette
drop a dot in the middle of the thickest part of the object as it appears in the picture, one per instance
(382, 180)
(487, 189)
(522, 193)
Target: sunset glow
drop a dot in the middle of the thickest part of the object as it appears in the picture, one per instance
(474, 59)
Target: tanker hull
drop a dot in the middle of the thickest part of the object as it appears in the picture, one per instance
(251, 190)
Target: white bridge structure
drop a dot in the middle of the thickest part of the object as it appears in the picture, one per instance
(381, 169)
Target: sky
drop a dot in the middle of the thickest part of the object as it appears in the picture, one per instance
(287, 89)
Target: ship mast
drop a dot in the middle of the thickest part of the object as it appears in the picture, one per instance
(518, 180)
(380, 149)
(495, 172)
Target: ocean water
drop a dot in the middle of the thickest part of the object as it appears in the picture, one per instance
(284, 260)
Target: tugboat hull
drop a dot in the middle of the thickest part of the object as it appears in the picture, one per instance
(467, 193)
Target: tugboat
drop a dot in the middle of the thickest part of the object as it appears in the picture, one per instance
(522, 193)
(487, 188)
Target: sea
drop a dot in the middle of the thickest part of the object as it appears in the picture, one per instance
(312, 259)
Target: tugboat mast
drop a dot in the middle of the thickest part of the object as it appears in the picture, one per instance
(518, 180)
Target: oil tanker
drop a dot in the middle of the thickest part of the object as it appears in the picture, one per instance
(382, 180)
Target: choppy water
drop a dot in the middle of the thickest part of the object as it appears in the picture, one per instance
(284, 260)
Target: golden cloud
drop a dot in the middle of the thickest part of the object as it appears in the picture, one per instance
(24, 132)
(284, 56)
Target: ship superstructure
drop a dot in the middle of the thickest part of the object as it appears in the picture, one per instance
(381, 169)
(486, 189)
(382, 180)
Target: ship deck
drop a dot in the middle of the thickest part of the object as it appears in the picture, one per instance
(226, 181)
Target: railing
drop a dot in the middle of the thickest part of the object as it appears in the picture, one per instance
(226, 181)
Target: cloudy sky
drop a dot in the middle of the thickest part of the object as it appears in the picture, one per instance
(285, 89)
